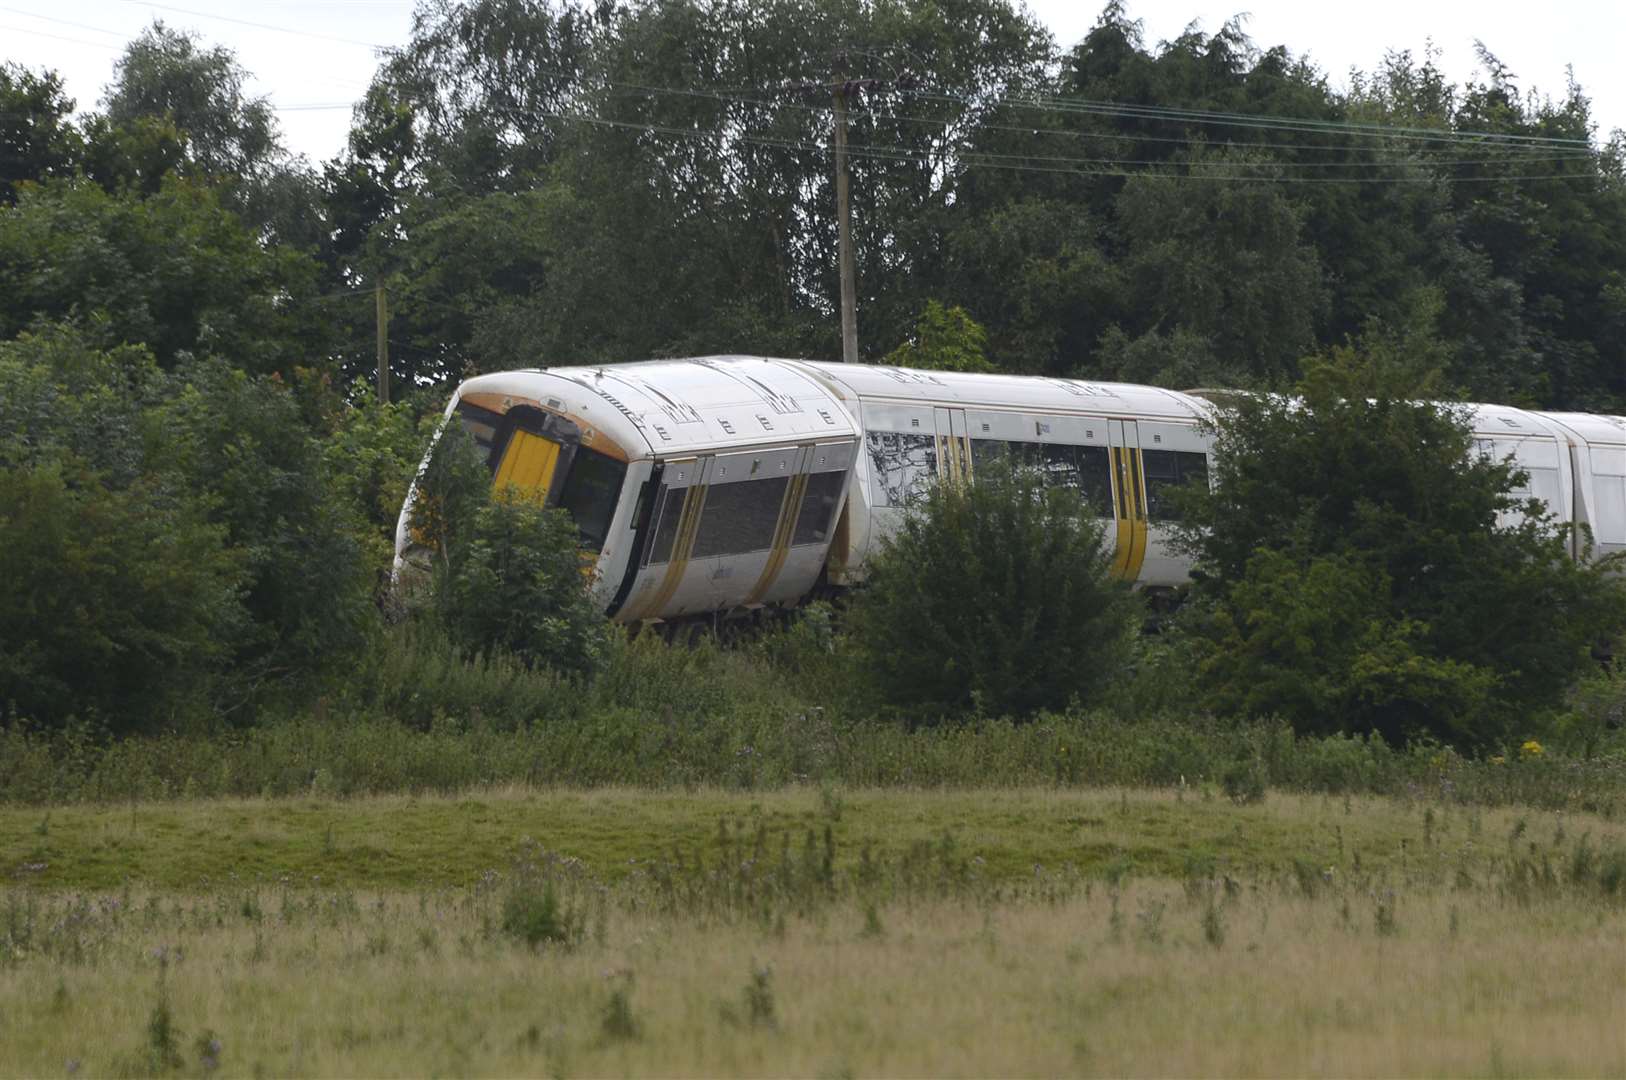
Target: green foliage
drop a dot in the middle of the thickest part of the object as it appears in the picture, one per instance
(174, 543)
(1357, 570)
(533, 913)
(506, 574)
(1225, 261)
(243, 450)
(167, 73)
(994, 597)
(175, 271)
(119, 602)
(37, 137)
(370, 456)
(946, 339)
(521, 586)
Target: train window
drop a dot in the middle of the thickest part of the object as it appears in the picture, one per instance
(1167, 470)
(740, 517)
(818, 507)
(1095, 478)
(903, 465)
(1083, 469)
(591, 492)
(1609, 517)
(481, 424)
(666, 524)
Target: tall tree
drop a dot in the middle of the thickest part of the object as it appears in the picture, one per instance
(37, 137)
(223, 134)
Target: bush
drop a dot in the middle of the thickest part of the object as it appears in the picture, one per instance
(507, 573)
(994, 597)
(521, 587)
(1360, 568)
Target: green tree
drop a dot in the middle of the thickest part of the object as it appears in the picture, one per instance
(521, 587)
(37, 137)
(994, 597)
(241, 445)
(1357, 569)
(120, 597)
(175, 271)
(168, 79)
(945, 339)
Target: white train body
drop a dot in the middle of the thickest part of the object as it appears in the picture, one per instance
(727, 484)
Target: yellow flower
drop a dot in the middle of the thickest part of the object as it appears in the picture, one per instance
(1531, 749)
(1498, 760)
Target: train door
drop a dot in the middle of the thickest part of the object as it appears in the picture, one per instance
(1128, 500)
(678, 505)
(953, 444)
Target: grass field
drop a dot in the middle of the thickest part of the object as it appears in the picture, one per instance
(812, 932)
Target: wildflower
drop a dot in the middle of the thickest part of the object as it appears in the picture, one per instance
(1531, 749)
(1498, 760)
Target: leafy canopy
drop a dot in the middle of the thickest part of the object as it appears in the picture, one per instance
(1359, 567)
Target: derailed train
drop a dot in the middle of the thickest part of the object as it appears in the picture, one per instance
(729, 484)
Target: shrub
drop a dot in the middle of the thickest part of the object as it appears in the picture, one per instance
(521, 587)
(507, 572)
(1360, 568)
(994, 596)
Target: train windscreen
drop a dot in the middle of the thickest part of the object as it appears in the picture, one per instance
(590, 493)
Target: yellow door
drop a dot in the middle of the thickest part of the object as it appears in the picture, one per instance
(527, 465)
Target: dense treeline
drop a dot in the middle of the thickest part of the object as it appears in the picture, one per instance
(198, 491)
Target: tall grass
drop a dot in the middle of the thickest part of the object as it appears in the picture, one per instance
(417, 716)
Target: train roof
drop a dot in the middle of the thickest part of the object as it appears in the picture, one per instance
(1029, 393)
(705, 402)
(1593, 428)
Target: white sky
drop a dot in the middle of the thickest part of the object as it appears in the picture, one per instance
(313, 58)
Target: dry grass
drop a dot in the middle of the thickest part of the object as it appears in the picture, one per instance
(1464, 984)
(1304, 936)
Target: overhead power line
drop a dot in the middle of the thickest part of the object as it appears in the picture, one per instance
(1525, 152)
(62, 37)
(1054, 104)
(65, 22)
(260, 25)
(1026, 163)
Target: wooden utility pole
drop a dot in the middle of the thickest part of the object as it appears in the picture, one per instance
(383, 305)
(844, 241)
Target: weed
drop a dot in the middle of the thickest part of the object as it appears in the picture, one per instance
(1583, 861)
(207, 1047)
(1149, 921)
(536, 915)
(617, 1022)
(1213, 925)
(1244, 782)
(759, 999)
(163, 1053)
(873, 930)
(1383, 914)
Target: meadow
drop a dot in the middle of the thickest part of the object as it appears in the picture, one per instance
(812, 930)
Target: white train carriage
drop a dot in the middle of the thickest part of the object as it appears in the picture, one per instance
(730, 483)
(1596, 455)
(700, 485)
(1122, 446)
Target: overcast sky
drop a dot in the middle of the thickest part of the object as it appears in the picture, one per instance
(313, 58)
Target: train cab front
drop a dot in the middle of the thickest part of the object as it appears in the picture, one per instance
(535, 448)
